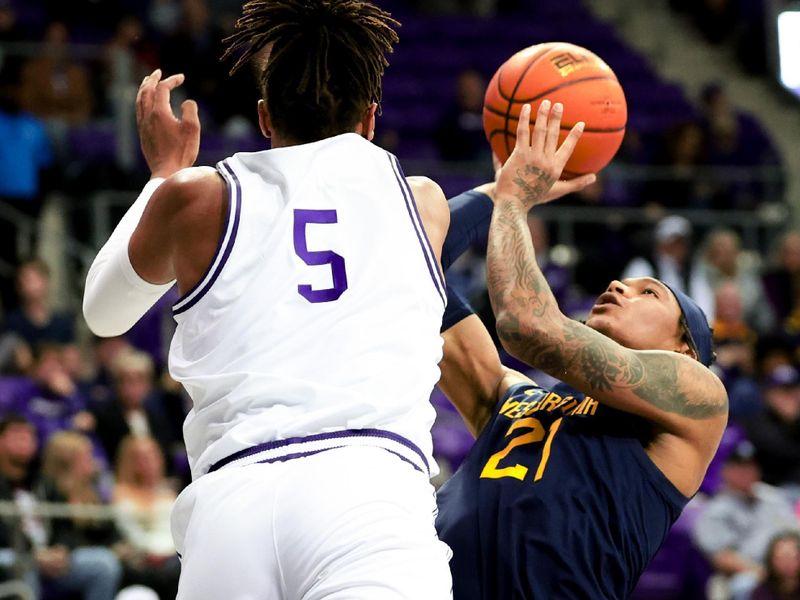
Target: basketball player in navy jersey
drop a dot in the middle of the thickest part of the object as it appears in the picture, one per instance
(570, 491)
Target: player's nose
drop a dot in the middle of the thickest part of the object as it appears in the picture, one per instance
(618, 287)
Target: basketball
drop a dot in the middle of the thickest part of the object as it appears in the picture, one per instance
(566, 73)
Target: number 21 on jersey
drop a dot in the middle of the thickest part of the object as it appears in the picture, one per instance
(536, 434)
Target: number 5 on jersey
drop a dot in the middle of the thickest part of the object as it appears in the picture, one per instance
(313, 258)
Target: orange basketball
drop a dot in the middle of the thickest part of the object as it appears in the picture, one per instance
(566, 73)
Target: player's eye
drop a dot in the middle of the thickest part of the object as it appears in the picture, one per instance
(650, 291)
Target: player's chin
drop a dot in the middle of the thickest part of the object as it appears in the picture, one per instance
(601, 322)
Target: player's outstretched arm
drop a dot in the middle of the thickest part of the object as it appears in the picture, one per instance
(473, 378)
(116, 295)
(670, 389)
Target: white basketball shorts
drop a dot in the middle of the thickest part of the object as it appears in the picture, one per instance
(348, 523)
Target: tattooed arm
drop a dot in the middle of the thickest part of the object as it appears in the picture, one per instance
(672, 390)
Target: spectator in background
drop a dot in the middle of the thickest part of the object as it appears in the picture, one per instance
(34, 319)
(129, 36)
(194, 49)
(132, 411)
(722, 260)
(681, 152)
(782, 282)
(11, 31)
(164, 16)
(735, 528)
(728, 323)
(25, 153)
(735, 344)
(736, 139)
(68, 476)
(17, 474)
(54, 86)
(782, 581)
(143, 503)
(50, 400)
(98, 388)
(775, 432)
(671, 258)
(91, 573)
(459, 134)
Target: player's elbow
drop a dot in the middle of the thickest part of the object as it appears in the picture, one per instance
(100, 317)
(512, 331)
(527, 337)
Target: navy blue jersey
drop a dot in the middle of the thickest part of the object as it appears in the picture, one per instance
(557, 499)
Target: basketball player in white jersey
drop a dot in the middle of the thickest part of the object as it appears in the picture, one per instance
(309, 437)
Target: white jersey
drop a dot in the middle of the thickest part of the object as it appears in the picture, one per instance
(321, 309)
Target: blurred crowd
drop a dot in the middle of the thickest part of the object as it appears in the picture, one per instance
(97, 422)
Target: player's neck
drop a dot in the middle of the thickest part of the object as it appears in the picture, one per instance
(280, 141)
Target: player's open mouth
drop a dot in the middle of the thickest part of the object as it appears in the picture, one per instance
(607, 299)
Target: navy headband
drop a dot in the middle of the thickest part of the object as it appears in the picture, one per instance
(699, 330)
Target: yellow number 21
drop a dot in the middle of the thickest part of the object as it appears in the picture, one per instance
(537, 434)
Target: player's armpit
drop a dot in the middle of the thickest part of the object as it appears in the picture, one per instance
(473, 378)
(668, 388)
(178, 233)
(433, 210)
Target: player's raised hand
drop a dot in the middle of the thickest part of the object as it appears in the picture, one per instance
(531, 172)
(168, 143)
(560, 188)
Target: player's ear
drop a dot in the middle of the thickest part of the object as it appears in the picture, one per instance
(367, 126)
(685, 348)
(264, 121)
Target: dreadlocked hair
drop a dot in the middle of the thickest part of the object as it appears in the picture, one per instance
(325, 64)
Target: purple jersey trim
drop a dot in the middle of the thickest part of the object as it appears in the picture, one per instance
(424, 243)
(313, 452)
(333, 435)
(404, 183)
(235, 209)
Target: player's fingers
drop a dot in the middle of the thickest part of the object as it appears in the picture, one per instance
(148, 89)
(576, 185)
(524, 127)
(144, 98)
(163, 90)
(540, 127)
(583, 181)
(173, 81)
(553, 129)
(566, 149)
(190, 120)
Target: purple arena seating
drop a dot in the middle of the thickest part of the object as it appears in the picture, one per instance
(93, 142)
